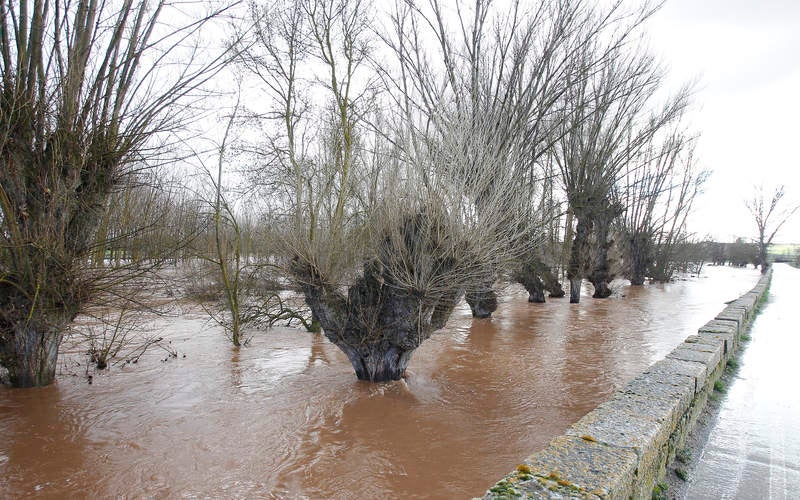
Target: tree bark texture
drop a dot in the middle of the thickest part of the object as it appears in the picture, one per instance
(30, 354)
(600, 275)
(552, 285)
(378, 325)
(535, 288)
(575, 290)
(762, 256)
(640, 257)
(482, 302)
(577, 257)
(537, 277)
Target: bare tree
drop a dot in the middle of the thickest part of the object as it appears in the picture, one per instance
(238, 269)
(83, 98)
(657, 191)
(612, 116)
(674, 206)
(229, 266)
(640, 188)
(770, 215)
(507, 66)
(383, 233)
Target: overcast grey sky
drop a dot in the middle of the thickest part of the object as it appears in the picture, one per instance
(746, 57)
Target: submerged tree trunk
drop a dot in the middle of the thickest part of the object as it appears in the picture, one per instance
(537, 277)
(601, 275)
(640, 257)
(482, 302)
(601, 288)
(30, 355)
(577, 257)
(535, 288)
(377, 325)
(552, 285)
(377, 363)
(575, 290)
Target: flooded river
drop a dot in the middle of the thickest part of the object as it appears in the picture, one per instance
(285, 417)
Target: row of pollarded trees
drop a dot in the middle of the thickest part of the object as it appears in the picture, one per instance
(425, 163)
(406, 157)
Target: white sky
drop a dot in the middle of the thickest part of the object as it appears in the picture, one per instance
(746, 56)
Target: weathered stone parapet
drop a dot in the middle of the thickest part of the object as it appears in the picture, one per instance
(622, 448)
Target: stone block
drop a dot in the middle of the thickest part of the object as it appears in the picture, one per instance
(754, 295)
(700, 353)
(727, 338)
(734, 307)
(659, 396)
(699, 339)
(578, 468)
(733, 314)
(696, 373)
(748, 303)
(720, 326)
(709, 341)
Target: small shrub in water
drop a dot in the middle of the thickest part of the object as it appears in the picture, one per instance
(683, 456)
(660, 491)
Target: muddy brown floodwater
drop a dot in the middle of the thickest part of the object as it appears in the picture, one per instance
(286, 418)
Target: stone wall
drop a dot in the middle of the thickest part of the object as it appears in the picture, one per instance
(622, 448)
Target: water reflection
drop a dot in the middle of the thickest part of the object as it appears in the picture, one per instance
(285, 417)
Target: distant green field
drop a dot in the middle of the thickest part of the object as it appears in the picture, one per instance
(784, 252)
(784, 249)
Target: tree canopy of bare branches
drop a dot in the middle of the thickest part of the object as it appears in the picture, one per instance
(393, 211)
(657, 191)
(769, 213)
(611, 116)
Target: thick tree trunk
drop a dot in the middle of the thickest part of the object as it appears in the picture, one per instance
(640, 256)
(601, 275)
(537, 277)
(552, 285)
(575, 290)
(577, 257)
(482, 302)
(600, 283)
(536, 292)
(601, 290)
(377, 325)
(376, 363)
(31, 355)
